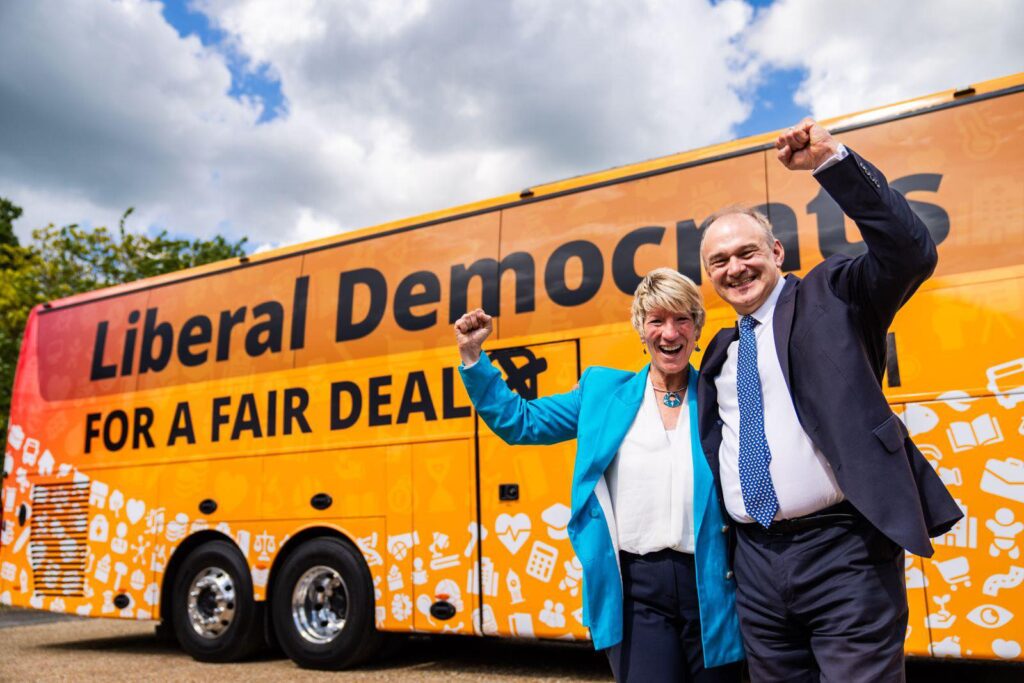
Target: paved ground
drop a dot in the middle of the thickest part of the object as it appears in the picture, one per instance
(38, 646)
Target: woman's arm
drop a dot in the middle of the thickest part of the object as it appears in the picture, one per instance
(547, 420)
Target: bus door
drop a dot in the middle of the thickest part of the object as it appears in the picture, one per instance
(528, 577)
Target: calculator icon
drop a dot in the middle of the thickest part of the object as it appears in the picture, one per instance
(541, 564)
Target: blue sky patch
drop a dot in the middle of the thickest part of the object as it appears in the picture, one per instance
(248, 81)
(774, 107)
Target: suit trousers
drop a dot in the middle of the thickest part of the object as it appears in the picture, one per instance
(821, 604)
(661, 637)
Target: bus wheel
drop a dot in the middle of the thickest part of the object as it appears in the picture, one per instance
(322, 606)
(215, 616)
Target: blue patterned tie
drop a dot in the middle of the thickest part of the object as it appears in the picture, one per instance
(755, 478)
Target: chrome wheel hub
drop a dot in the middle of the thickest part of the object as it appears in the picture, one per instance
(211, 602)
(320, 604)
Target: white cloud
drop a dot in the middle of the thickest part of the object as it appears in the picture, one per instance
(866, 53)
(398, 108)
(394, 108)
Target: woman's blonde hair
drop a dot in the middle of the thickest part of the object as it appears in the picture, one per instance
(668, 289)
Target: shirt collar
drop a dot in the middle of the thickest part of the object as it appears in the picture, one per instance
(763, 315)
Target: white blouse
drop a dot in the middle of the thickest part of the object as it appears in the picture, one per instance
(650, 482)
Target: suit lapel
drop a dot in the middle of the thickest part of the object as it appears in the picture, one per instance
(714, 359)
(707, 393)
(782, 324)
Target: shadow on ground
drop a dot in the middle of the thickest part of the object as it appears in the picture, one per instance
(452, 654)
(500, 658)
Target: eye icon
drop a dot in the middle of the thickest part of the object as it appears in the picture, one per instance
(989, 616)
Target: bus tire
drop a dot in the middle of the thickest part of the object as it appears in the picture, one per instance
(323, 606)
(215, 617)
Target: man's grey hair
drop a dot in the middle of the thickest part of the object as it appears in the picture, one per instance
(742, 210)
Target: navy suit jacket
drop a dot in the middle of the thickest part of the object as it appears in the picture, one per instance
(830, 329)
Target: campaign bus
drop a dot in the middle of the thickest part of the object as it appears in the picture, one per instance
(279, 446)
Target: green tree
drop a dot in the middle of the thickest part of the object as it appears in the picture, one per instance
(66, 260)
(8, 214)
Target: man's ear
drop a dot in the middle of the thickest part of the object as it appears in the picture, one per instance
(778, 254)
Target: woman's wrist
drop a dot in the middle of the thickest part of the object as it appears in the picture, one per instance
(469, 356)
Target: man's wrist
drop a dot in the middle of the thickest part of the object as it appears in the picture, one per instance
(838, 155)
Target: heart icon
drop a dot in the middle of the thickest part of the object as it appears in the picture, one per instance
(1007, 649)
(135, 509)
(512, 530)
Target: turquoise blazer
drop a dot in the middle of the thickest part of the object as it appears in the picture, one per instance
(598, 412)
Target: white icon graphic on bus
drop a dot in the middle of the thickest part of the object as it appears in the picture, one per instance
(919, 419)
(557, 518)
(1006, 382)
(943, 618)
(989, 616)
(964, 533)
(541, 564)
(1007, 649)
(958, 400)
(553, 614)
(1004, 478)
(512, 530)
(954, 571)
(1004, 530)
(915, 578)
(997, 582)
(983, 430)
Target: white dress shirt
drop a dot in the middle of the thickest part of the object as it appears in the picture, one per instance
(804, 481)
(650, 482)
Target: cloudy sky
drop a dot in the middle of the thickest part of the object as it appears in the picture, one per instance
(285, 121)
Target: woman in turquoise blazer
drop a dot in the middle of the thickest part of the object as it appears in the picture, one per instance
(630, 602)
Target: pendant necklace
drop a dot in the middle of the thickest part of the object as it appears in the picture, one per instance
(671, 398)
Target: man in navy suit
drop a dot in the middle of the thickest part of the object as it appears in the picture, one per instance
(823, 484)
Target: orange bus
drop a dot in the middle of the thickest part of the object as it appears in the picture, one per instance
(279, 446)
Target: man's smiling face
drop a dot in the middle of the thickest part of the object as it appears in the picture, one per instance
(742, 265)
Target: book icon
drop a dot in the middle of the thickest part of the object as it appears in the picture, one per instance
(980, 431)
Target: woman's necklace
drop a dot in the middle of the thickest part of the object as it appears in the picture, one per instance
(672, 399)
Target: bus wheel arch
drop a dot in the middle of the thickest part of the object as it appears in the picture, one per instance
(322, 561)
(208, 602)
(178, 555)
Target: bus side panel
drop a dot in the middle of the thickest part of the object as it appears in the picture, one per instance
(443, 542)
(390, 294)
(124, 541)
(961, 169)
(972, 580)
(592, 247)
(85, 539)
(394, 608)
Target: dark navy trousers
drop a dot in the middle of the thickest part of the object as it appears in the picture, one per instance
(661, 638)
(821, 604)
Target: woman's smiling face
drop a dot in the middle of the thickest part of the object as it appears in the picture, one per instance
(670, 337)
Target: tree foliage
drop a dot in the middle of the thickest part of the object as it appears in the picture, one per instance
(8, 214)
(66, 260)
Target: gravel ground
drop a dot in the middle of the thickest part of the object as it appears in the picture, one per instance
(101, 650)
(42, 647)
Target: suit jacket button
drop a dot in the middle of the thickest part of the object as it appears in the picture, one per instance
(594, 512)
(728, 575)
(719, 422)
(725, 528)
